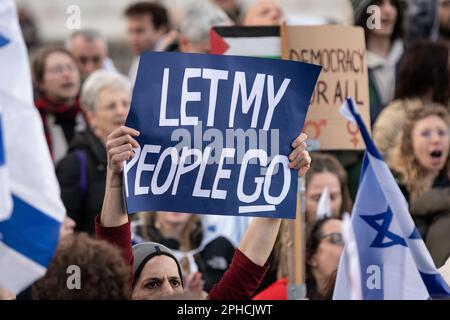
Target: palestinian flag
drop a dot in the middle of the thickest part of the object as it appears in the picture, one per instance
(263, 42)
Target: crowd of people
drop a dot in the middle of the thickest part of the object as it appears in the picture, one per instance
(84, 100)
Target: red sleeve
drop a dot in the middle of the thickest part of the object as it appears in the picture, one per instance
(276, 291)
(120, 237)
(240, 281)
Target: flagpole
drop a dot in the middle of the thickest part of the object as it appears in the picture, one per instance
(296, 276)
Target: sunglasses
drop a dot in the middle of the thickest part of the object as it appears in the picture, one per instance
(335, 238)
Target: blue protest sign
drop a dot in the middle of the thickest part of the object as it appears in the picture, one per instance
(216, 132)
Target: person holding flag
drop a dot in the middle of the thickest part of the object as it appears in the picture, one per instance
(423, 175)
(394, 261)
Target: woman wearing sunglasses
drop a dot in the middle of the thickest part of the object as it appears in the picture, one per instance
(323, 250)
(324, 245)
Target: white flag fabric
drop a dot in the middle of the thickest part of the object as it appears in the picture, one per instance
(29, 233)
(323, 206)
(394, 261)
(15, 75)
(350, 254)
(5, 194)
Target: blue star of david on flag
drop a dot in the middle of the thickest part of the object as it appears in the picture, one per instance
(383, 230)
(3, 40)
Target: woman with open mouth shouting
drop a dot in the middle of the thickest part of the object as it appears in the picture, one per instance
(420, 161)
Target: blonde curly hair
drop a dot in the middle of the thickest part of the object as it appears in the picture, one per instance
(404, 161)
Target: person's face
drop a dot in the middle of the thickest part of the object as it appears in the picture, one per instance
(444, 14)
(316, 185)
(172, 218)
(142, 34)
(430, 140)
(326, 259)
(110, 112)
(388, 18)
(159, 278)
(89, 54)
(264, 13)
(188, 47)
(61, 80)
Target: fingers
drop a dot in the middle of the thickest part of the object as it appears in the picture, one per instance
(297, 151)
(123, 131)
(301, 138)
(304, 165)
(121, 149)
(301, 160)
(299, 157)
(113, 142)
(120, 144)
(116, 160)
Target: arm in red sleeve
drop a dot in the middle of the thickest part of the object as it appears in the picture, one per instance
(120, 237)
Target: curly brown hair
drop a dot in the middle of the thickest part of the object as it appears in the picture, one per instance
(104, 273)
(404, 162)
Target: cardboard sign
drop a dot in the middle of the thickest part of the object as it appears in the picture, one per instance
(341, 53)
(216, 132)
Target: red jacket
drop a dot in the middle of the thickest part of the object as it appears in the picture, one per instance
(239, 282)
(276, 291)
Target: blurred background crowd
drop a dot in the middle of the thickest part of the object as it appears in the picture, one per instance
(84, 69)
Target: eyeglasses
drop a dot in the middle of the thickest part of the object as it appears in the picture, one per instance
(59, 69)
(335, 238)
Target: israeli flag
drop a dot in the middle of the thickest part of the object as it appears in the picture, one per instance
(15, 75)
(30, 222)
(5, 196)
(394, 261)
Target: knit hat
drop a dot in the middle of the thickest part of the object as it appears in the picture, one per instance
(143, 252)
(359, 8)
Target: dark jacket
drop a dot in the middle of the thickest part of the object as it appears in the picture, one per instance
(431, 214)
(83, 181)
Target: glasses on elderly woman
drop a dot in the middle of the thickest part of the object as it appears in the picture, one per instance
(335, 238)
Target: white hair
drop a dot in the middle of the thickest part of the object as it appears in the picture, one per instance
(89, 35)
(97, 81)
(199, 18)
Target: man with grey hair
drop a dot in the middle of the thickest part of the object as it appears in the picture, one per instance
(90, 51)
(196, 23)
(105, 100)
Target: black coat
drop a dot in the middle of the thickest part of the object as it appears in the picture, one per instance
(431, 215)
(83, 200)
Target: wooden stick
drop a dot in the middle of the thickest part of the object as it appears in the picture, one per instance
(284, 42)
(299, 245)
